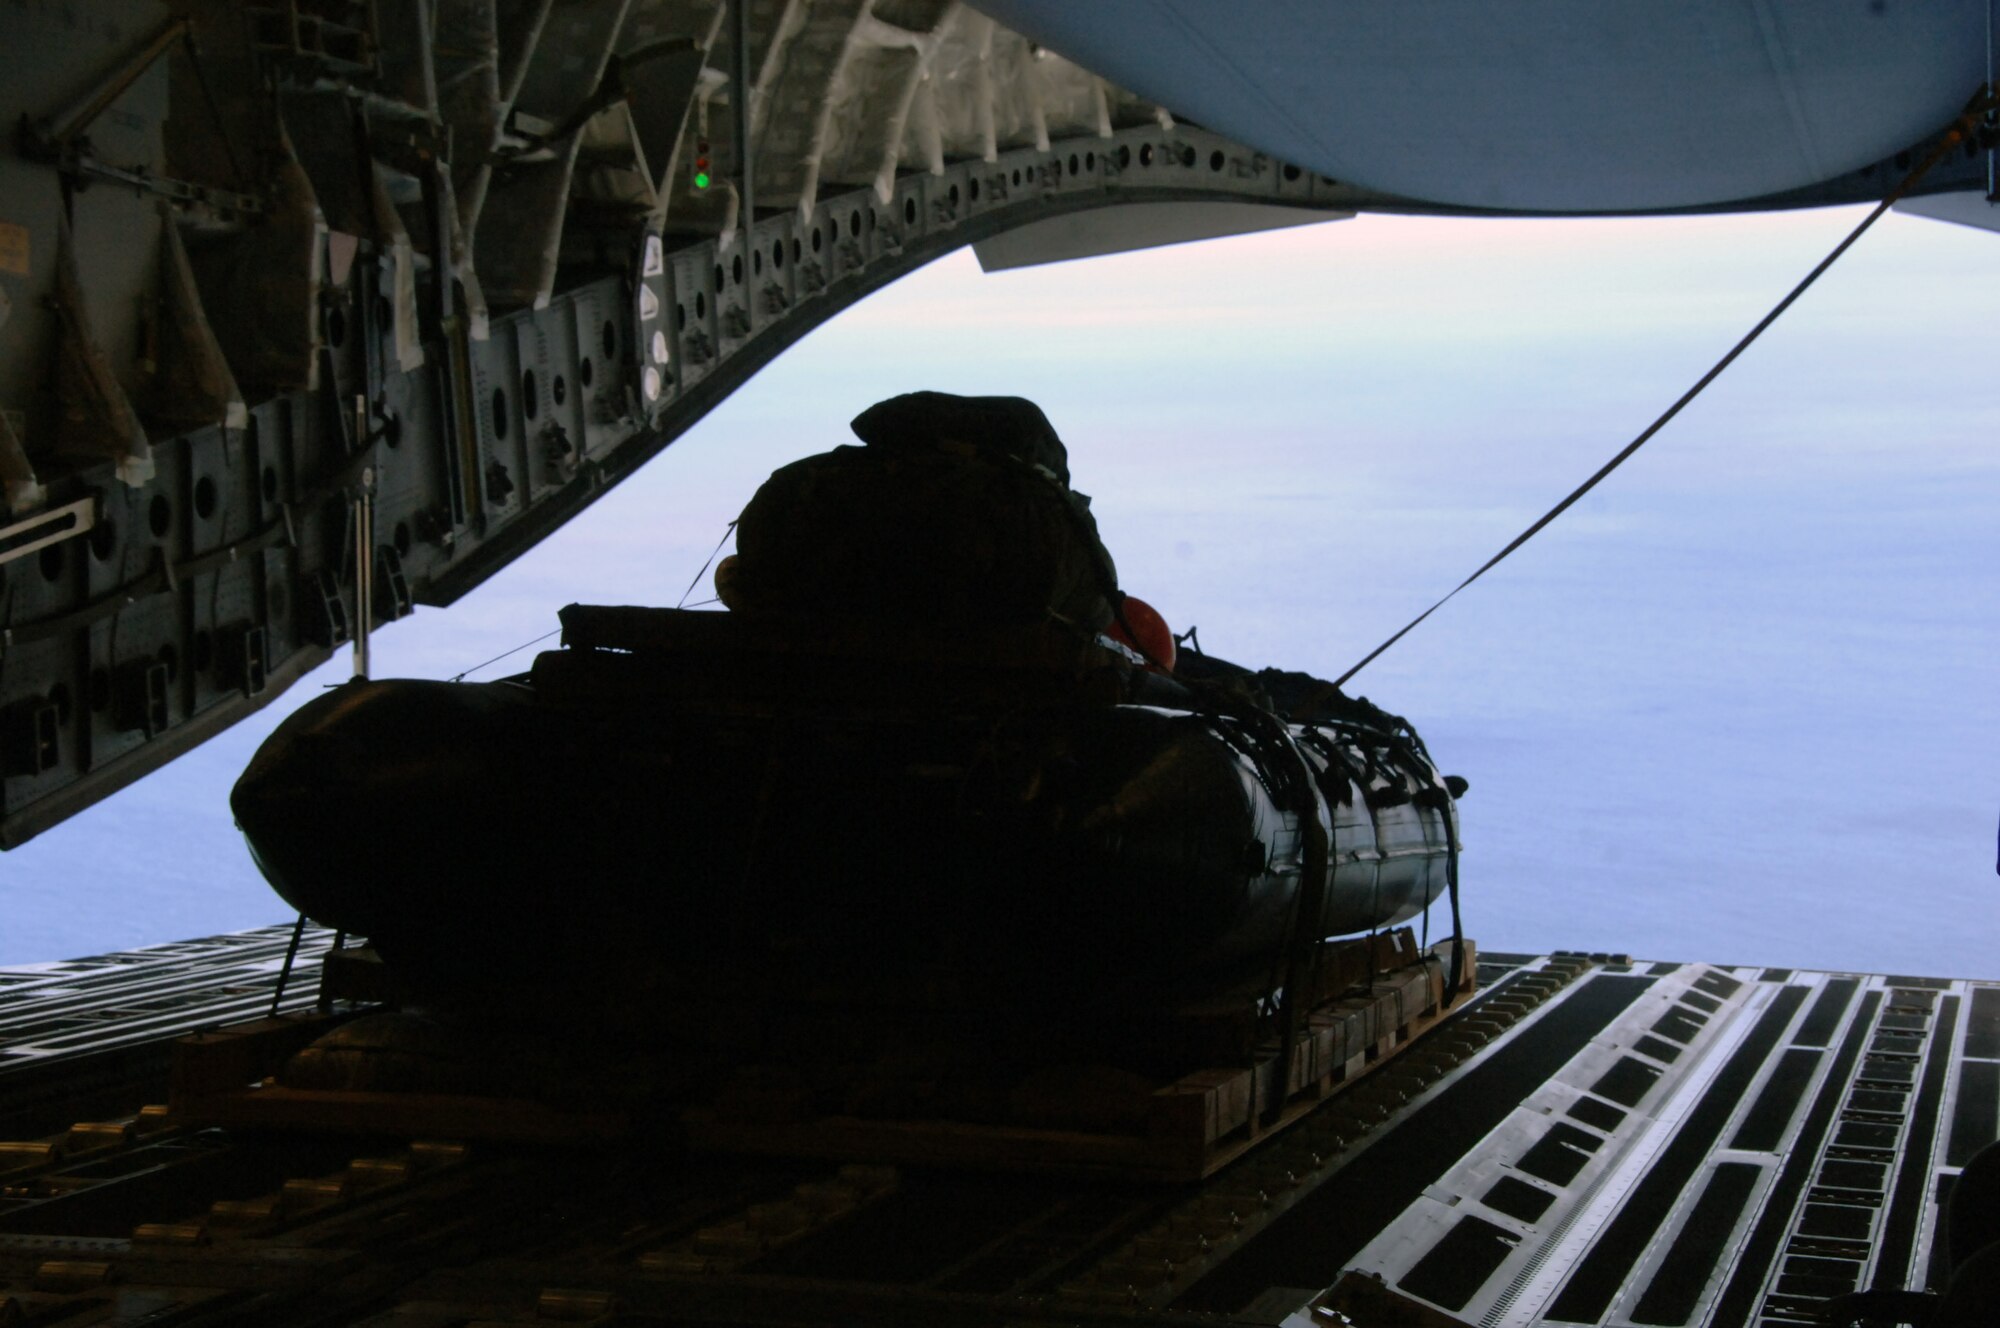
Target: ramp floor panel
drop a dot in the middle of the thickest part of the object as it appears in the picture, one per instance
(1588, 1141)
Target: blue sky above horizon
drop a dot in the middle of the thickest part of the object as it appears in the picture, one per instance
(1735, 706)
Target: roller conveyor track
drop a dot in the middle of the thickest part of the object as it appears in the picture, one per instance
(1588, 1141)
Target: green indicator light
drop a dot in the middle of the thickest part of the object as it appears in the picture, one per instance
(701, 179)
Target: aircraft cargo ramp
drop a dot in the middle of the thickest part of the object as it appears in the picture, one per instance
(1587, 1140)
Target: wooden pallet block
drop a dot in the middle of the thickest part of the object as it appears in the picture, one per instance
(1230, 1111)
(356, 973)
(231, 1059)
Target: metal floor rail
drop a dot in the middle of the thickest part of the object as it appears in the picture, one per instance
(1588, 1141)
(79, 1007)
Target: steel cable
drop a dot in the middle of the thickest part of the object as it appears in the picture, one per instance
(1959, 131)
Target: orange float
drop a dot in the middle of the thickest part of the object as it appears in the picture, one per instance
(1140, 626)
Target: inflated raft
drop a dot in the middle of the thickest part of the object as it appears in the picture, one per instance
(708, 785)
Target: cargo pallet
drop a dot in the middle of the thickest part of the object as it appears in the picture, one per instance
(1182, 1131)
(1373, 997)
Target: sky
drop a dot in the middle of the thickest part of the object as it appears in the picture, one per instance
(1736, 706)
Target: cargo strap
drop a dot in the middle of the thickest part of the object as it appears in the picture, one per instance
(727, 531)
(1457, 975)
(1308, 913)
(285, 972)
(461, 675)
(1960, 131)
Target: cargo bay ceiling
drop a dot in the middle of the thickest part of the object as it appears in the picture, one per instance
(314, 312)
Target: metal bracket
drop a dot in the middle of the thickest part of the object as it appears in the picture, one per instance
(243, 661)
(393, 593)
(329, 628)
(139, 698)
(46, 528)
(30, 738)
